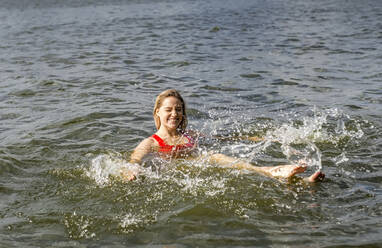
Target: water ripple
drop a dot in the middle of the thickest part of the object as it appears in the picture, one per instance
(77, 87)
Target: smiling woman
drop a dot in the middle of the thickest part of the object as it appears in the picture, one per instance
(172, 140)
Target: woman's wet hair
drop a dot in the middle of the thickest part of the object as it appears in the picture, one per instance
(158, 103)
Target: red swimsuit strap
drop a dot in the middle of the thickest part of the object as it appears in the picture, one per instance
(163, 144)
(160, 141)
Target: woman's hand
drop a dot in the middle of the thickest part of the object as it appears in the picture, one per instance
(128, 174)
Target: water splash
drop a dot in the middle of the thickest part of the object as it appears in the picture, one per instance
(340, 158)
(298, 139)
(198, 180)
(298, 136)
(106, 166)
(167, 185)
(307, 153)
(130, 221)
(190, 176)
(79, 226)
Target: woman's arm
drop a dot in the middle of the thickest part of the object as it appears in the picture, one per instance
(144, 148)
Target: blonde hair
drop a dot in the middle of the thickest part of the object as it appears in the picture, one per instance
(158, 103)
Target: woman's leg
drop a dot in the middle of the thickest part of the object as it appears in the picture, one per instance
(281, 171)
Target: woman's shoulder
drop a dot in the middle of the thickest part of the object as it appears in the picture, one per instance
(144, 148)
(147, 142)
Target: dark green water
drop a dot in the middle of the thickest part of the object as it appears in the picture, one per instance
(77, 87)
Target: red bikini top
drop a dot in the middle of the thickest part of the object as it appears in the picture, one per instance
(165, 148)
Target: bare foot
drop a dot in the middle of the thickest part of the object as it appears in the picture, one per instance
(286, 171)
(318, 176)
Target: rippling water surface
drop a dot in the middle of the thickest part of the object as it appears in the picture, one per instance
(77, 86)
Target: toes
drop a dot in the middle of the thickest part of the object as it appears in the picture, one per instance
(316, 177)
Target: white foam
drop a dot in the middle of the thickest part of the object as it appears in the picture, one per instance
(104, 166)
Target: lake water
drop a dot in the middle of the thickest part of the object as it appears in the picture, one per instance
(77, 86)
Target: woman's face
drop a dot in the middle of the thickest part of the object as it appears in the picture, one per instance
(170, 113)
